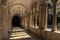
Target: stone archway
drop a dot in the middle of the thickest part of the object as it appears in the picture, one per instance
(16, 21)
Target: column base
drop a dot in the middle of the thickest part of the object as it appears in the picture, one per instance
(36, 27)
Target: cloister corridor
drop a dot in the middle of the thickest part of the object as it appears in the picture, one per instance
(29, 19)
(17, 33)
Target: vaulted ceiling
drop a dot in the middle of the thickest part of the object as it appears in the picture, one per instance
(20, 5)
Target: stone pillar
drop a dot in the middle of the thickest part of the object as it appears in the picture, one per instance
(28, 19)
(40, 17)
(31, 21)
(33, 13)
(1, 20)
(8, 18)
(36, 20)
(43, 14)
(9, 21)
(46, 16)
(36, 15)
(22, 22)
(54, 16)
(25, 21)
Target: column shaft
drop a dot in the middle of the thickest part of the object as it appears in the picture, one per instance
(36, 20)
(54, 18)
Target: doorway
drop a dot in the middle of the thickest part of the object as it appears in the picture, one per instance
(16, 21)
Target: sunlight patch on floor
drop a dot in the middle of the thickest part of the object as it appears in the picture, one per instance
(18, 33)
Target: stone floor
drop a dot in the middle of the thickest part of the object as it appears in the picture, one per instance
(20, 34)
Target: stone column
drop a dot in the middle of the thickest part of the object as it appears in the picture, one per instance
(33, 13)
(22, 22)
(28, 19)
(40, 17)
(46, 16)
(36, 20)
(25, 22)
(36, 15)
(8, 18)
(54, 16)
(1, 20)
(31, 21)
(43, 14)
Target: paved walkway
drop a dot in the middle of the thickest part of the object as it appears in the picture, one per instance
(21, 34)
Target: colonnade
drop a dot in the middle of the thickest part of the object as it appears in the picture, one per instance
(41, 11)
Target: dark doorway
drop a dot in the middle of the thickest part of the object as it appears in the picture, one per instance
(16, 21)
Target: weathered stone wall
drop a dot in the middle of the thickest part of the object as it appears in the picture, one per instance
(1, 20)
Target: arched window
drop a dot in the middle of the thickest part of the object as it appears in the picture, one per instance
(3, 2)
(50, 15)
